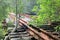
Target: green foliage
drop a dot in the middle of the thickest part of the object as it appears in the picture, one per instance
(47, 11)
(10, 24)
(7, 6)
(57, 28)
(2, 33)
(3, 11)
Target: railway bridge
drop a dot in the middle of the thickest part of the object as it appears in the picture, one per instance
(29, 32)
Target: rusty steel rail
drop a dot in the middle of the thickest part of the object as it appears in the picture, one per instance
(38, 33)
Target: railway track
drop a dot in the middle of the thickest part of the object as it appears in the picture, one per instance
(29, 32)
(39, 33)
